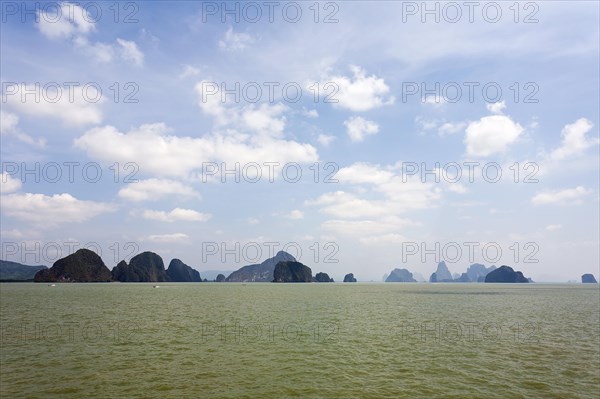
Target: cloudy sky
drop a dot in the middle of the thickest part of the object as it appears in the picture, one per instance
(360, 136)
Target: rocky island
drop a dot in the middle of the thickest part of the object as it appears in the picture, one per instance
(262, 272)
(181, 273)
(505, 274)
(588, 279)
(323, 278)
(144, 267)
(400, 276)
(83, 266)
(292, 272)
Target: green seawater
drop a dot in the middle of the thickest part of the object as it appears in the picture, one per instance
(257, 340)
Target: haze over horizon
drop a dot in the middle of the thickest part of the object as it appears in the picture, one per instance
(387, 105)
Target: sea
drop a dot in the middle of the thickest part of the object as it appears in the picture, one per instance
(316, 340)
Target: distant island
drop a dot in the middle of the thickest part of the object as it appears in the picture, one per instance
(86, 266)
(10, 271)
(476, 273)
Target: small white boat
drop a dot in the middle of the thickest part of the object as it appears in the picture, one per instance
(51, 285)
(156, 286)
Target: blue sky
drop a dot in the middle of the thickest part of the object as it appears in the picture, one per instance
(173, 58)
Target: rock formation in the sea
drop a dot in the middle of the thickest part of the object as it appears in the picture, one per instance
(83, 266)
(442, 274)
(588, 279)
(10, 271)
(505, 274)
(292, 272)
(181, 273)
(477, 272)
(385, 276)
(323, 278)
(220, 278)
(464, 278)
(349, 278)
(262, 272)
(144, 267)
(400, 276)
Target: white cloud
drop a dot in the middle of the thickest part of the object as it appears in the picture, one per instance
(9, 184)
(571, 196)
(451, 128)
(295, 215)
(176, 215)
(384, 197)
(496, 108)
(491, 135)
(360, 93)
(55, 102)
(44, 210)
(235, 41)
(358, 128)
(252, 221)
(189, 70)
(575, 140)
(9, 127)
(130, 52)
(154, 189)
(75, 24)
(310, 113)
(325, 139)
(167, 237)
(554, 227)
(66, 21)
(435, 99)
(101, 52)
(156, 151)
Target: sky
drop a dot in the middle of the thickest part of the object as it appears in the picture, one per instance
(357, 136)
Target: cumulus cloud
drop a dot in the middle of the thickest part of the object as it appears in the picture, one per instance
(358, 128)
(9, 184)
(575, 140)
(44, 210)
(55, 102)
(325, 139)
(154, 189)
(382, 197)
(496, 108)
(189, 70)
(357, 93)
(449, 128)
(571, 196)
(64, 21)
(554, 227)
(71, 22)
(491, 135)
(176, 215)
(232, 41)
(157, 151)
(130, 52)
(9, 127)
